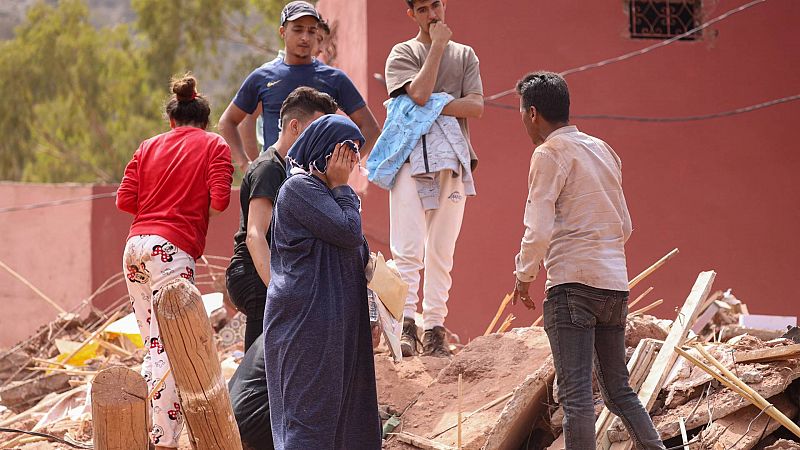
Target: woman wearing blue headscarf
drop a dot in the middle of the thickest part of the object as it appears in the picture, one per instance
(317, 340)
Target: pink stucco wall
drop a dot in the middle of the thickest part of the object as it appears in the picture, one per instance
(724, 191)
(68, 251)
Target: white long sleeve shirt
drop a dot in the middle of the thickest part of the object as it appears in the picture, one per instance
(576, 219)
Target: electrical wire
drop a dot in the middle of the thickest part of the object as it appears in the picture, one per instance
(57, 202)
(642, 51)
(734, 112)
(717, 115)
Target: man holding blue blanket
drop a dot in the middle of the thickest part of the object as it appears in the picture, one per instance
(425, 158)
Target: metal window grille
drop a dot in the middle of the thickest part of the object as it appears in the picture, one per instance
(659, 19)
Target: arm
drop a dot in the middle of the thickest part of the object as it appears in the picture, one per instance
(228, 128)
(365, 120)
(467, 107)
(247, 132)
(421, 87)
(128, 192)
(220, 177)
(546, 181)
(258, 218)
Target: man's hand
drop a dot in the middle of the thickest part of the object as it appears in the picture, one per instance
(440, 33)
(341, 163)
(521, 293)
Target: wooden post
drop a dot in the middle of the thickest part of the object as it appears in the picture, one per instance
(119, 410)
(188, 339)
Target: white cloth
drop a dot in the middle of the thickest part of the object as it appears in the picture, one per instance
(426, 239)
(576, 218)
(150, 262)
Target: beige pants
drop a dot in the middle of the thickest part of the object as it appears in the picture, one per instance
(422, 239)
(150, 262)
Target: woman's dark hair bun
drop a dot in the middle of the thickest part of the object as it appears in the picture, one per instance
(185, 87)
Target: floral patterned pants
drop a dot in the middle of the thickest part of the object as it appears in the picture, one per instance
(150, 262)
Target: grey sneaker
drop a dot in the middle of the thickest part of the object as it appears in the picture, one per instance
(409, 342)
(434, 343)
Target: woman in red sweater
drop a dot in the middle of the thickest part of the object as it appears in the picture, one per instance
(173, 184)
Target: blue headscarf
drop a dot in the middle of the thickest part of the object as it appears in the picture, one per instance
(317, 142)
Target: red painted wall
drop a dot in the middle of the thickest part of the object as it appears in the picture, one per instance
(724, 191)
(68, 251)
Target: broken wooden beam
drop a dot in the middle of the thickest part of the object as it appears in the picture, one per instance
(119, 410)
(767, 354)
(189, 343)
(751, 395)
(648, 307)
(640, 297)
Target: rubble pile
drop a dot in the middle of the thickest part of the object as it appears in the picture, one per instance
(496, 392)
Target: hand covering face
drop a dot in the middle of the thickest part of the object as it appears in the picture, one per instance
(317, 142)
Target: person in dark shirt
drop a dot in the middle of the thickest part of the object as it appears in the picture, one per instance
(264, 90)
(248, 389)
(248, 274)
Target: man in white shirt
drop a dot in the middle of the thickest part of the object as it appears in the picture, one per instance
(577, 222)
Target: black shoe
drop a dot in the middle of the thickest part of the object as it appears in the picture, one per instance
(434, 343)
(409, 341)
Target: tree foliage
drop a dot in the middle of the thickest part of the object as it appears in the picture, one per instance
(78, 99)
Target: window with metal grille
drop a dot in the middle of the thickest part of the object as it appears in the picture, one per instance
(659, 19)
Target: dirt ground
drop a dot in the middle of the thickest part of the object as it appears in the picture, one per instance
(491, 367)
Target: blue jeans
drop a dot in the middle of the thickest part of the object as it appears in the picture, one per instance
(586, 324)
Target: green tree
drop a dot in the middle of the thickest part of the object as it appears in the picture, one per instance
(77, 99)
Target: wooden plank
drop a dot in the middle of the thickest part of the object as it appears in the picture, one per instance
(648, 307)
(749, 393)
(767, 354)
(189, 343)
(677, 335)
(119, 410)
(421, 442)
(640, 297)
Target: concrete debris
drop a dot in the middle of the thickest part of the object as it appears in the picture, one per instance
(743, 429)
(643, 326)
(507, 397)
(783, 444)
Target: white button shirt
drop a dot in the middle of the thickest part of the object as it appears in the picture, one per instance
(576, 219)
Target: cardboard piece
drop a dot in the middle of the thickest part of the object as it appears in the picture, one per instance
(391, 289)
